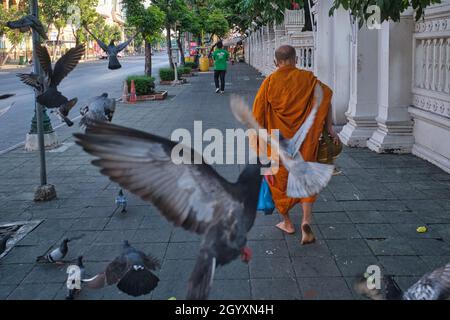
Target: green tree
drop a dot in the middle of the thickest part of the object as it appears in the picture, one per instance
(390, 10)
(217, 24)
(149, 21)
(15, 37)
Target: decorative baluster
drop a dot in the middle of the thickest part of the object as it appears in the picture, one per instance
(435, 65)
(428, 65)
(441, 65)
(424, 64)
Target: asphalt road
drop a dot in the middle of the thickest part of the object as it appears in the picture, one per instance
(89, 79)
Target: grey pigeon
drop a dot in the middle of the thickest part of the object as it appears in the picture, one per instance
(131, 271)
(121, 201)
(74, 292)
(434, 285)
(6, 96)
(112, 50)
(100, 108)
(194, 197)
(25, 23)
(49, 95)
(57, 254)
(3, 241)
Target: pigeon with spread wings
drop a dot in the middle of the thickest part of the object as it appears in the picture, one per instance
(194, 197)
(49, 95)
(112, 50)
(25, 23)
(132, 271)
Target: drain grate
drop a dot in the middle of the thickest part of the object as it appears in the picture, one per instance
(18, 229)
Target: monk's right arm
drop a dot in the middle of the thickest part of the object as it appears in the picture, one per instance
(260, 103)
(329, 125)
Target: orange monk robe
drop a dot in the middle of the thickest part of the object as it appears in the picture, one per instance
(283, 102)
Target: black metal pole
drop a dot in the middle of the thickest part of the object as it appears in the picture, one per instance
(38, 70)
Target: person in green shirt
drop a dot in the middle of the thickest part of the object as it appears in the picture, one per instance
(220, 57)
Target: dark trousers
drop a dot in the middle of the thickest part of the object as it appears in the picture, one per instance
(220, 74)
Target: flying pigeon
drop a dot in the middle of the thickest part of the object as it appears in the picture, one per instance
(131, 271)
(76, 274)
(100, 108)
(305, 179)
(194, 197)
(121, 201)
(4, 241)
(49, 95)
(434, 285)
(112, 50)
(6, 96)
(57, 254)
(25, 23)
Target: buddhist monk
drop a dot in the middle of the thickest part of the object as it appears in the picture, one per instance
(283, 102)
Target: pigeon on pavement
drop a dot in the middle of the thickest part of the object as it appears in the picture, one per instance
(74, 279)
(121, 201)
(100, 108)
(434, 285)
(112, 50)
(25, 23)
(132, 271)
(56, 255)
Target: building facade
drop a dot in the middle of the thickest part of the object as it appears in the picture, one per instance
(391, 83)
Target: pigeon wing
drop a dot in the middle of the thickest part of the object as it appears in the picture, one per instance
(30, 79)
(432, 286)
(193, 196)
(151, 262)
(67, 63)
(116, 269)
(44, 59)
(123, 45)
(100, 43)
(37, 25)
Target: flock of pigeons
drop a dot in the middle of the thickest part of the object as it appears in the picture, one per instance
(47, 86)
(194, 197)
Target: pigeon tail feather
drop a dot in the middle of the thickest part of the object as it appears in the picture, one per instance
(138, 282)
(308, 179)
(114, 63)
(202, 277)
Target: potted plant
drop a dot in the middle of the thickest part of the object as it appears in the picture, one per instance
(167, 75)
(145, 88)
(192, 65)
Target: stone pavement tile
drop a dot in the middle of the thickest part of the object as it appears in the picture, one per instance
(315, 267)
(324, 288)
(403, 265)
(406, 282)
(390, 205)
(181, 235)
(177, 269)
(170, 288)
(230, 289)
(435, 262)
(358, 205)
(330, 218)
(115, 236)
(441, 193)
(265, 233)
(351, 285)
(13, 274)
(182, 250)
(402, 217)
(90, 224)
(47, 273)
(424, 205)
(432, 247)
(124, 222)
(97, 212)
(267, 220)
(443, 230)
(376, 230)
(236, 269)
(45, 291)
(366, 217)
(355, 265)
(327, 206)
(102, 252)
(377, 194)
(437, 216)
(444, 203)
(316, 249)
(275, 289)
(151, 235)
(339, 231)
(155, 221)
(268, 248)
(267, 267)
(5, 291)
(409, 230)
(24, 254)
(353, 247)
(391, 247)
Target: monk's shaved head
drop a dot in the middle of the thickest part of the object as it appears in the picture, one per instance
(285, 53)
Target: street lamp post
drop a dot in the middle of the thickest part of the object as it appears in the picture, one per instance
(44, 192)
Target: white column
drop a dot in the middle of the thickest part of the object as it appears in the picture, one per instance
(363, 103)
(394, 133)
(323, 51)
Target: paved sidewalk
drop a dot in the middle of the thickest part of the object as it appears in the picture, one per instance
(368, 215)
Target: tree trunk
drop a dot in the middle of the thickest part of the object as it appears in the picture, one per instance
(180, 46)
(169, 46)
(5, 59)
(148, 58)
(56, 44)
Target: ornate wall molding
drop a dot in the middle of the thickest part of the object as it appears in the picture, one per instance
(433, 105)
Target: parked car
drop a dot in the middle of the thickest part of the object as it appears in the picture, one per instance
(103, 55)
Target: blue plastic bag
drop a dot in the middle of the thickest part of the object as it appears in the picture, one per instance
(265, 202)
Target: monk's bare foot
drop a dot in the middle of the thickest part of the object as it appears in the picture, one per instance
(307, 234)
(286, 226)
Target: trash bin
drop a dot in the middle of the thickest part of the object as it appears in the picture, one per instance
(21, 60)
(204, 64)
